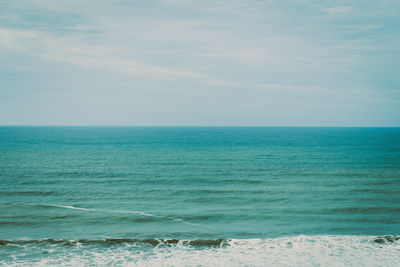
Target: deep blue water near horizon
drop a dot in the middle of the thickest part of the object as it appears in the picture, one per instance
(193, 183)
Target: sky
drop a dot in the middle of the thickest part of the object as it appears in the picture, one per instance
(208, 62)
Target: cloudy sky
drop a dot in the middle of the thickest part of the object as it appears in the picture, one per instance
(182, 62)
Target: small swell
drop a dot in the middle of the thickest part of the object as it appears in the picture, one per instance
(26, 193)
(367, 210)
(134, 212)
(15, 223)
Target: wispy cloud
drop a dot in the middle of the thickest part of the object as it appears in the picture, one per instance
(201, 58)
(85, 55)
(337, 10)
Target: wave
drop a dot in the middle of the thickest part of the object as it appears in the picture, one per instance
(123, 212)
(282, 251)
(386, 239)
(26, 193)
(120, 241)
(141, 213)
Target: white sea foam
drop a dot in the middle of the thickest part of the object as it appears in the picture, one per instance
(68, 207)
(122, 212)
(284, 251)
(99, 210)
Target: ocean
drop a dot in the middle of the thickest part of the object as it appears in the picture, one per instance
(199, 196)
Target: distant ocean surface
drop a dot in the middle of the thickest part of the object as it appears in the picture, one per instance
(210, 196)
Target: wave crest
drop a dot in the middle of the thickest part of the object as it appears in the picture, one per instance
(118, 241)
(282, 251)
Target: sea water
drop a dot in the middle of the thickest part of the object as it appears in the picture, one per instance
(199, 196)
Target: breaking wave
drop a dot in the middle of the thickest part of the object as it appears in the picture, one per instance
(283, 251)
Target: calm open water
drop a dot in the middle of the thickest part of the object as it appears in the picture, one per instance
(199, 195)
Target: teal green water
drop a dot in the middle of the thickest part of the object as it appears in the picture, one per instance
(196, 183)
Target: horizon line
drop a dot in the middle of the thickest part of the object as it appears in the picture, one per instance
(194, 126)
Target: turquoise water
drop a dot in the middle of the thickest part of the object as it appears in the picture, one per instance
(152, 192)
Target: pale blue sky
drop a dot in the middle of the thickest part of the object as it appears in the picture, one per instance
(176, 62)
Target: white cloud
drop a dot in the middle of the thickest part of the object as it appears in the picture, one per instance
(88, 56)
(221, 54)
(337, 10)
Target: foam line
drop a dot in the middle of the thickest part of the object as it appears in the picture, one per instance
(282, 251)
(111, 211)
